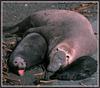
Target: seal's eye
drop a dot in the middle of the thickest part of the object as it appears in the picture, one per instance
(67, 56)
(57, 49)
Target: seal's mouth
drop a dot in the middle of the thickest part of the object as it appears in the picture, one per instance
(21, 72)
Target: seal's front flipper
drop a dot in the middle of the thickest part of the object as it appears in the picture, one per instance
(83, 68)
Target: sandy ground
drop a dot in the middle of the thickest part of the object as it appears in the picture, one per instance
(16, 12)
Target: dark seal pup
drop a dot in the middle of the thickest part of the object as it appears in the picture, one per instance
(82, 68)
(29, 52)
(69, 35)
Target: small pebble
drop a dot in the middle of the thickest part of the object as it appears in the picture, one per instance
(26, 4)
(92, 78)
(52, 6)
(19, 80)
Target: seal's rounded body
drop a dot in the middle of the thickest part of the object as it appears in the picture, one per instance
(29, 52)
(66, 31)
(69, 35)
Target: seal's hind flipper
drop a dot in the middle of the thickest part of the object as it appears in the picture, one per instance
(83, 68)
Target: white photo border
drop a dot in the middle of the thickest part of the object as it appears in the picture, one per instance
(27, 2)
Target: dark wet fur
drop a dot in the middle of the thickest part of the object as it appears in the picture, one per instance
(83, 68)
(31, 44)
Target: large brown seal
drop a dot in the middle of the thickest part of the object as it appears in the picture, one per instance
(69, 35)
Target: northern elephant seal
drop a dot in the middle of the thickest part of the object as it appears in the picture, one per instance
(69, 35)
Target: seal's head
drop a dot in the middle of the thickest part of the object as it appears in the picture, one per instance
(18, 64)
(59, 58)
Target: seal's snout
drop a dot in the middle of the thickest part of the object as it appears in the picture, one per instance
(53, 68)
(57, 61)
(19, 62)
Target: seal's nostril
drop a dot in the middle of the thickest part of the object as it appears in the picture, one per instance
(15, 62)
(21, 63)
